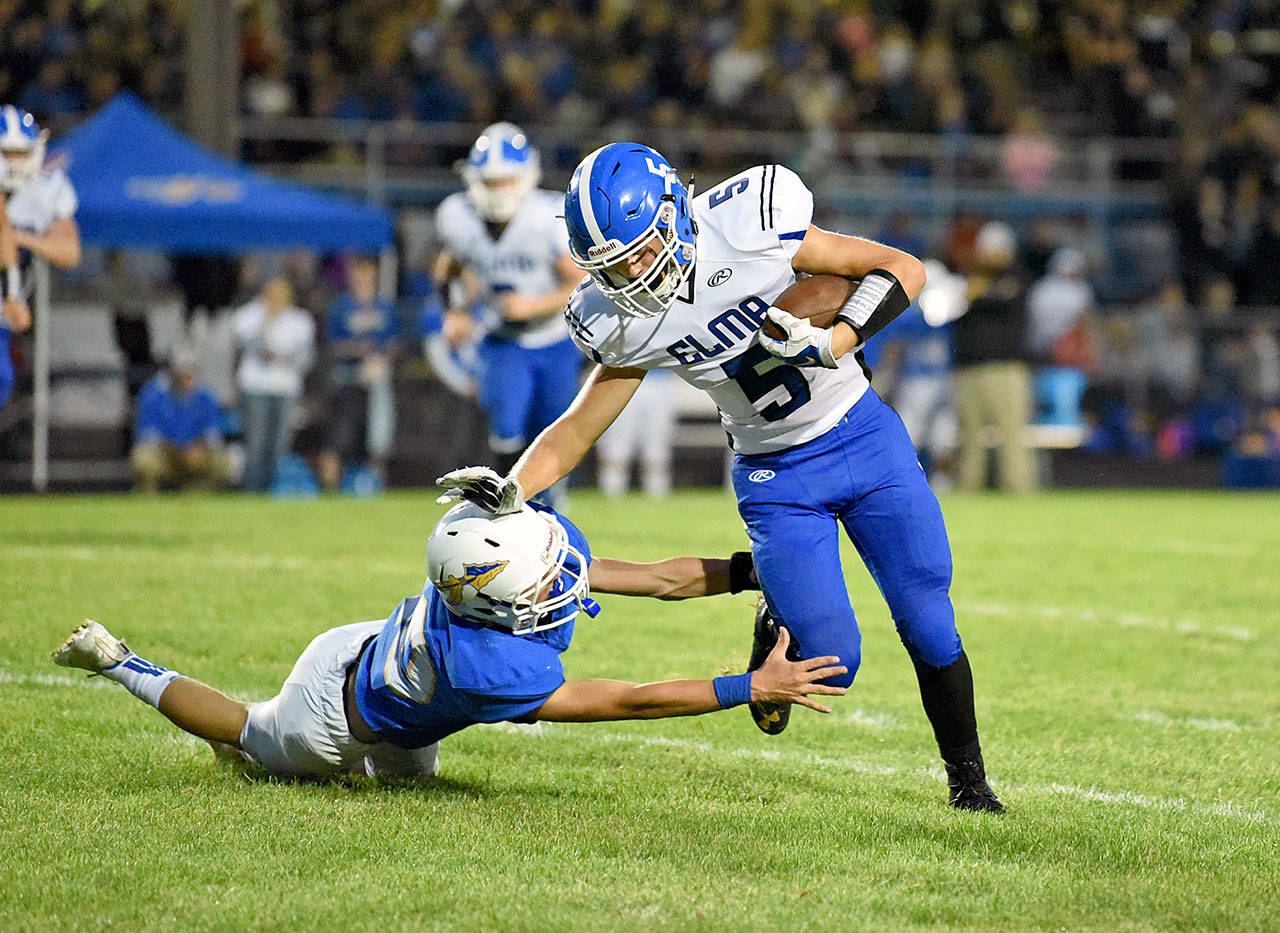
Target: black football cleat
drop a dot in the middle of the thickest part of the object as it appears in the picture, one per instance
(770, 718)
(969, 789)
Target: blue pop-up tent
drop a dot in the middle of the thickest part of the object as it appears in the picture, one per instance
(143, 184)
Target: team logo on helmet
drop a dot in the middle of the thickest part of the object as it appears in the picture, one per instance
(475, 575)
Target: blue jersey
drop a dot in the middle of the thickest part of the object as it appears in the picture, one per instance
(430, 673)
(347, 320)
(926, 350)
(164, 414)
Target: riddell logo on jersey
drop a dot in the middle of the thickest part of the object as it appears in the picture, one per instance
(761, 476)
(719, 278)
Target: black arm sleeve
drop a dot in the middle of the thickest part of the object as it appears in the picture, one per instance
(877, 300)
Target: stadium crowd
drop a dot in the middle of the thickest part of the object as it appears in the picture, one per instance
(1177, 371)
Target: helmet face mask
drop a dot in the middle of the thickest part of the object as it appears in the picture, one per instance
(620, 198)
(500, 172)
(22, 143)
(516, 572)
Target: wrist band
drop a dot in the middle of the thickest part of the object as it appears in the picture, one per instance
(742, 572)
(878, 299)
(733, 691)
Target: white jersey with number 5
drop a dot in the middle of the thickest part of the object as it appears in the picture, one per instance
(749, 228)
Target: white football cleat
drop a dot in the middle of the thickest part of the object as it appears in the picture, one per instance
(91, 647)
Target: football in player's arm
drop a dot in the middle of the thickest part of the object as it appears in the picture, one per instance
(481, 644)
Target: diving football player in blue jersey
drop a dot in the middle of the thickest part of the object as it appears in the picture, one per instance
(685, 284)
(480, 644)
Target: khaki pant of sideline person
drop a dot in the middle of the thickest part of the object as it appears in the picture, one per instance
(200, 467)
(993, 406)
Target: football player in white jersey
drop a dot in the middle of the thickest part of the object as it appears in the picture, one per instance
(685, 284)
(504, 242)
(37, 208)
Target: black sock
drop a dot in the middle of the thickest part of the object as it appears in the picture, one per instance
(947, 695)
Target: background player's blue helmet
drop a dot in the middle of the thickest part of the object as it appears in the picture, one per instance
(500, 171)
(22, 144)
(620, 196)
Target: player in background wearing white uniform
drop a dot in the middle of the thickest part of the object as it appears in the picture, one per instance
(37, 208)
(482, 643)
(503, 243)
(685, 285)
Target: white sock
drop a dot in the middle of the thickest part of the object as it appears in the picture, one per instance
(143, 679)
(657, 478)
(613, 477)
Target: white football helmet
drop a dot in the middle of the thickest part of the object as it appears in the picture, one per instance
(501, 170)
(22, 144)
(506, 570)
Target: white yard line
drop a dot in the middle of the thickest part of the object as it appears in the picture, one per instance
(1195, 722)
(1123, 619)
(227, 560)
(54, 680)
(805, 759)
(1223, 809)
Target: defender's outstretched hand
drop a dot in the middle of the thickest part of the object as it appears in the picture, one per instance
(483, 486)
(781, 681)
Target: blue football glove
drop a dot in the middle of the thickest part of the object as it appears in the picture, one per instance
(484, 487)
(804, 344)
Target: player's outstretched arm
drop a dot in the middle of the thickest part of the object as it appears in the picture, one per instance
(675, 577)
(776, 681)
(557, 450)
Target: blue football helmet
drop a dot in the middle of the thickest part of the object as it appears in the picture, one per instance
(501, 170)
(22, 144)
(619, 198)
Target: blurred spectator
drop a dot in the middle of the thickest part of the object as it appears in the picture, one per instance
(916, 363)
(993, 386)
(207, 282)
(359, 345)
(1059, 337)
(177, 435)
(1256, 279)
(1027, 155)
(276, 340)
(128, 283)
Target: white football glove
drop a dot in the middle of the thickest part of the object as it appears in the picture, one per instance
(804, 345)
(483, 486)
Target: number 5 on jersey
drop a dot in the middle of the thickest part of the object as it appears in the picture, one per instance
(758, 372)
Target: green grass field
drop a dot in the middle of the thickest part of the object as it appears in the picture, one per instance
(1127, 655)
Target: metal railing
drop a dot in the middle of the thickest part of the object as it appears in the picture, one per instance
(412, 163)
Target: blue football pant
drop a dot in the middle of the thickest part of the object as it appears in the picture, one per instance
(523, 390)
(863, 475)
